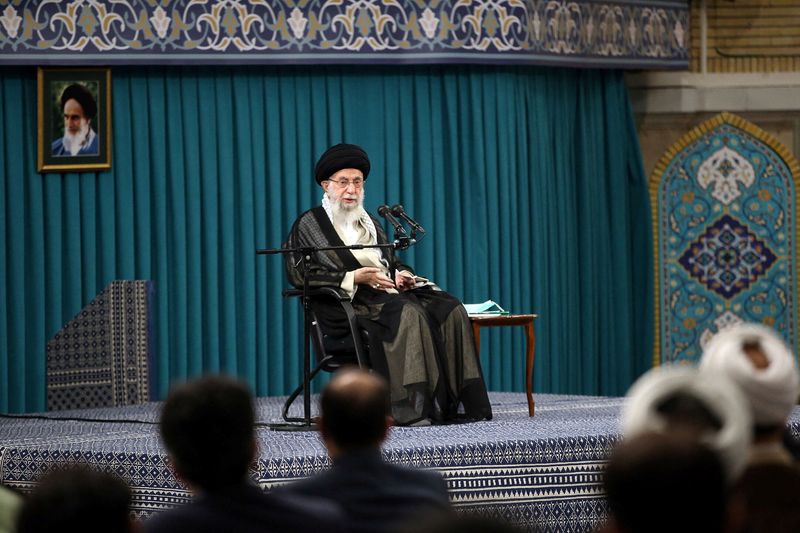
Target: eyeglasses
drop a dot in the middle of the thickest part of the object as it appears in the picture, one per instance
(344, 183)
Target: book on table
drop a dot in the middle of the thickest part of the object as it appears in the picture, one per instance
(487, 308)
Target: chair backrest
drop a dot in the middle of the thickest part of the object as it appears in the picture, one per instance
(102, 357)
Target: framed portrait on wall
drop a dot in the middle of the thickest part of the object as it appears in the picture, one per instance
(74, 131)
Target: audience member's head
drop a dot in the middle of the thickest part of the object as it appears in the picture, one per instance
(355, 411)
(77, 499)
(680, 401)
(665, 483)
(762, 365)
(208, 429)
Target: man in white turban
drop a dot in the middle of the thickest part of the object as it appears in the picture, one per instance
(686, 436)
(762, 365)
(681, 403)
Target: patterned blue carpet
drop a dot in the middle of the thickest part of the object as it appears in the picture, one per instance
(542, 473)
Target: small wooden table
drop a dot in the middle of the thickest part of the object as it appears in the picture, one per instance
(485, 321)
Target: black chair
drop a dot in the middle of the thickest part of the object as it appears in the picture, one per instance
(332, 352)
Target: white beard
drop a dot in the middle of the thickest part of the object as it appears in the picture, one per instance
(346, 215)
(73, 142)
(346, 218)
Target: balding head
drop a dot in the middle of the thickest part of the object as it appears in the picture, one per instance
(355, 410)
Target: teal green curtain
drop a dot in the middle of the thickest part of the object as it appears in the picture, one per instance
(529, 182)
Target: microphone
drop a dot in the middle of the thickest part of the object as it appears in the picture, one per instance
(385, 212)
(398, 211)
(401, 239)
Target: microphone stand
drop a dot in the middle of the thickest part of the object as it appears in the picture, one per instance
(304, 423)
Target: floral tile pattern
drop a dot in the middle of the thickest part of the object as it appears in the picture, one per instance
(633, 34)
(725, 233)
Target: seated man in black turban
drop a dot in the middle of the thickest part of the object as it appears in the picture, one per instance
(420, 336)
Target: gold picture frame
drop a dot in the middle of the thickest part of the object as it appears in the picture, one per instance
(74, 124)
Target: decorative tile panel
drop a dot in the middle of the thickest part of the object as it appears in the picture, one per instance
(725, 230)
(633, 34)
(727, 258)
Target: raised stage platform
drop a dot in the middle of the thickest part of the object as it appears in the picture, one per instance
(542, 473)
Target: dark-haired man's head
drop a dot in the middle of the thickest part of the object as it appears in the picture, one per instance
(77, 499)
(207, 426)
(355, 411)
(648, 470)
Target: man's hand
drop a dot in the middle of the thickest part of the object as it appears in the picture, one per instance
(372, 276)
(404, 280)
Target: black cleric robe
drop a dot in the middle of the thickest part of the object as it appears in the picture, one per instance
(420, 340)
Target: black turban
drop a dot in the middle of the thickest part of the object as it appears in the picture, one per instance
(338, 157)
(80, 94)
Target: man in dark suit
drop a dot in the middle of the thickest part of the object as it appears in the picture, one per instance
(208, 429)
(376, 496)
